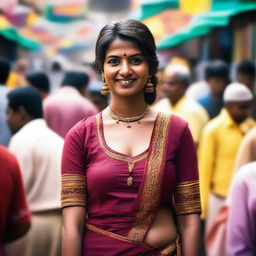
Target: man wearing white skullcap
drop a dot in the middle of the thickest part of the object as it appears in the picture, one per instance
(238, 101)
(237, 92)
(218, 147)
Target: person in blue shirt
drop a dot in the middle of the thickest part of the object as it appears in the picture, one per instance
(217, 76)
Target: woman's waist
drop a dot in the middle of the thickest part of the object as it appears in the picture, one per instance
(160, 230)
(113, 239)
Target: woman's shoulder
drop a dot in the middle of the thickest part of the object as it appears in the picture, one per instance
(82, 127)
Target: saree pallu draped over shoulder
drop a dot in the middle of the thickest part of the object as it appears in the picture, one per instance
(127, 239)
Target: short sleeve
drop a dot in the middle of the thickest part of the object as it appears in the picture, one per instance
(187, 195)
(73, 178)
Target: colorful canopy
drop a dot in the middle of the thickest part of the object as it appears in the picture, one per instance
(203, 24)
(11, 33)
(151, 8)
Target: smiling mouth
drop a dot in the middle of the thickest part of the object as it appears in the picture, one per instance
(125, 82)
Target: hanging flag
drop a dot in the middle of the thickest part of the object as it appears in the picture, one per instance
(65, 10)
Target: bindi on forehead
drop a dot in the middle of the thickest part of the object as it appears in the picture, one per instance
(125, 54)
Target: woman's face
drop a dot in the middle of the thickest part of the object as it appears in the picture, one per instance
(125, 68)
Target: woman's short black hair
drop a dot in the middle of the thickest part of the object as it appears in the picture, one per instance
(136, 32)
(27, 97)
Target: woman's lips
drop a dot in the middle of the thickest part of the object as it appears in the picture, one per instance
(125, 82)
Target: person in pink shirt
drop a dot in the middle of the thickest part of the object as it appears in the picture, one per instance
(69, 104)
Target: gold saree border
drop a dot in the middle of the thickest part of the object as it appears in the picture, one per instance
(115, 236)
(187, 197)
(173, 249)
(112, 154)
(168, 250)
(73, 190)
(151, 187)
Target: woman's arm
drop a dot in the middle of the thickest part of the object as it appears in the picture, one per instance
(73, 219)
(189, 228)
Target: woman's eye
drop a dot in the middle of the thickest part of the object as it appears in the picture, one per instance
(113, 61)
(136, 61)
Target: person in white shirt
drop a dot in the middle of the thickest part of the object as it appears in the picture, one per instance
(38, 150)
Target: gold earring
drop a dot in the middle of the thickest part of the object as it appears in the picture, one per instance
(104, 89)
(149, 88)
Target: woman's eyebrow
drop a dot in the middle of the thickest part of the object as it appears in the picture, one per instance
(133, 55)
(112, 56)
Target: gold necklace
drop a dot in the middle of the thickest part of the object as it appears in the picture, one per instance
(128, 120)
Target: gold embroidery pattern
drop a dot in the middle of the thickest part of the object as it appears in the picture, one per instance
(187, 197)
(113, 235)
(151, 188)
(169, 249)
(112, 154)
(173, 249)
(73, 190)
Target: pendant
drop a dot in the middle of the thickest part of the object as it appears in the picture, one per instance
(128, 126)
(129, 181)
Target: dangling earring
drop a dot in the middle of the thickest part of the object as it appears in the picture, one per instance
(104, 89)
(149, 88)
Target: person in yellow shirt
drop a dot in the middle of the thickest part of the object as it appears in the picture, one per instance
(218, 147)
(17, 76)
(175, 81)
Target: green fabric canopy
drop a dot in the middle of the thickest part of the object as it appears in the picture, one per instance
(153, 8)
(204, 23)
(12, 34)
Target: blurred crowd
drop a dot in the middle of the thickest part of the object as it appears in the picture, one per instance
(38, 108)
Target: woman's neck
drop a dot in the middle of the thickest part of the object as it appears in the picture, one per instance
(128, 106)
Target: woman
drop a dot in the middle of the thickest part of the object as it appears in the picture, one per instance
(129, 174)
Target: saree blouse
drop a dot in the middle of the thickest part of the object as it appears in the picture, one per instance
(95, 176)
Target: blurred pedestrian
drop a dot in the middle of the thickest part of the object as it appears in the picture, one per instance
(99, 100)
(5, 133)
(69, 104)
(245, 74)
(241, 222)
(218, 147)
(217, 77)
(38, 150)
(18, 74)
(200, 87)
(58, 67)
(176, 80)
(247, 150)
(41, 82)
(128, 173)
(14, 213)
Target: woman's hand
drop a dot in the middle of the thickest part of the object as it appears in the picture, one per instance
(189, 228)
(73, 219)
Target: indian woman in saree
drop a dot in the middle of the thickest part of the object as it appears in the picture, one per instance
(129, 174)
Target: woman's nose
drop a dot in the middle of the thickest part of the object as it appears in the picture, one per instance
(125, 69)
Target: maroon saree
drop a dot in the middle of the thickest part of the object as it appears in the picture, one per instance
(95, 176)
